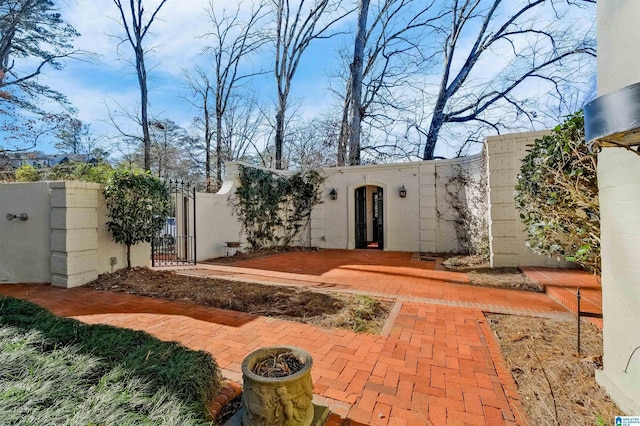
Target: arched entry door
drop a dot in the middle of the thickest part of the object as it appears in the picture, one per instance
(369, 217)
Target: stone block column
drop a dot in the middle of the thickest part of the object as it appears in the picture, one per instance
(74, 233)
(427, 206)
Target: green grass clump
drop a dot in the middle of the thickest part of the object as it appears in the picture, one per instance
(366, 314)
(159, 368)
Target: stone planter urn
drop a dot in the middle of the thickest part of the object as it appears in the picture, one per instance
(277, 401)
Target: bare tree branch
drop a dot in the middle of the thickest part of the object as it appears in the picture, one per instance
(132, 19)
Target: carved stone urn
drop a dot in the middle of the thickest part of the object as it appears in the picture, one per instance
(277, 401)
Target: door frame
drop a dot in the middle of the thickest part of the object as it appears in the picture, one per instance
(351, 212)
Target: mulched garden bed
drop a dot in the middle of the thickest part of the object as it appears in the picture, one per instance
(357, 313)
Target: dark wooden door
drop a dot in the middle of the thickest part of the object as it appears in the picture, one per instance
(379, 222)
(361, 217)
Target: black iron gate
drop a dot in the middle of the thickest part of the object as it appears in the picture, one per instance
(175, 243)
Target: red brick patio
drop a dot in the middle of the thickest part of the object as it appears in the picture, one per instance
(437, 362)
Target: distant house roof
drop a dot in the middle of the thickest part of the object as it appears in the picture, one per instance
(55, 159)
(40, 159)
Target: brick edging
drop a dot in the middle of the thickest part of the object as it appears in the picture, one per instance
(228, 391)
(391, 319)
(500, 364)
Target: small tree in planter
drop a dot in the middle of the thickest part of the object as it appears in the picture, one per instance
(138, 204)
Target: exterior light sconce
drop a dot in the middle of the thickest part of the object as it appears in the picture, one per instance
(333, 194)
(612, 120)
(21, 216)
(402, 192)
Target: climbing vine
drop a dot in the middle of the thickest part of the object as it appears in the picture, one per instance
(557, 196)
(272, 208)
(467, 196)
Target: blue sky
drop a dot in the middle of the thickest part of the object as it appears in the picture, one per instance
(109, 80)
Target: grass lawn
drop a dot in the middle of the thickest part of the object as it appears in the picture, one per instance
(63, 372)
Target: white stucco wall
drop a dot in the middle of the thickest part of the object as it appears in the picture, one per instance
(216, 223)
(65, 240)
(423, 221)
(507, 232)
(619, 185)
(107, 248)
(25, 245)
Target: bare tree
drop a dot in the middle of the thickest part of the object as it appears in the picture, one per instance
(386, 54)
(356, 83)
(202, 91)
(233, 42)
(242, 127)
(311, 144)
(136, 23)
(531, 48)
(75, 137)
(295, 28)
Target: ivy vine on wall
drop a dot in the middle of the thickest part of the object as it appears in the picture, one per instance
(466, 194)
(272, 208)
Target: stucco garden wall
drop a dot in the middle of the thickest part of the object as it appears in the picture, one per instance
(619, 185)
(25, 246)
(506, 230)
(422, 221)
(65, 241)
(216, 223)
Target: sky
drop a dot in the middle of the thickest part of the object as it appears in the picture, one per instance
(107, 81)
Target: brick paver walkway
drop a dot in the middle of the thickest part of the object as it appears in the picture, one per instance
(561, 286)
(437, 364)
(382, 274)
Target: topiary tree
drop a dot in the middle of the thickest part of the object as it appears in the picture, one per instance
(138, 204)
(557, 196)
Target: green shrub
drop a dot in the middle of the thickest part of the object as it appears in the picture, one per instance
(98, 173)
(27, 173)
(557, 196)
(138, 204)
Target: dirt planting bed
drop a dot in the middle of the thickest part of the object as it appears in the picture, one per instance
(357, 313)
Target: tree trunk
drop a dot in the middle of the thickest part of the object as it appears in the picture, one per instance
(144, 100)
(207, 144)
(343, 138)
(128, 256)
(432, 136)
(356, 84)
(219, 148)
(282, 106)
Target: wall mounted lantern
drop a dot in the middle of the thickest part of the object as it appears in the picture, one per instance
(402, 192)
(333, 194)
(612, 119)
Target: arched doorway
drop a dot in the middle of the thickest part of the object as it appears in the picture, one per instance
(369, 217)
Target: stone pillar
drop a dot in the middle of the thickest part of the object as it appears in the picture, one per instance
(619, 187)
(74, 233)
(428, 205)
